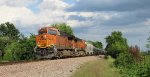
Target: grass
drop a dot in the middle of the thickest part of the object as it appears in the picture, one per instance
(97, 68)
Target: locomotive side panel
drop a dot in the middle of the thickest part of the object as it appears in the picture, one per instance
(64, 41)
(80, 44)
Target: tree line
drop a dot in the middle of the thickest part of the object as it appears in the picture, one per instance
(129, 60)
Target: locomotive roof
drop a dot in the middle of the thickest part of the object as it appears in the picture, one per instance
(78, 39)
(70, 36)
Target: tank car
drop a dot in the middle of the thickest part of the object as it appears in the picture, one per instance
(89, 48)
(98, 51)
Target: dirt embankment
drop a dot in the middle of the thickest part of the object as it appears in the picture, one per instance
(48, 68)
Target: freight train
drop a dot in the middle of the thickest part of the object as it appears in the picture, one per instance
(51, 42)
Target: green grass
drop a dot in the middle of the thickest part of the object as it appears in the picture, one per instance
(97, 68)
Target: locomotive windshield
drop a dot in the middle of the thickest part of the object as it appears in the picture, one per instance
(53, 32)
(42, 31)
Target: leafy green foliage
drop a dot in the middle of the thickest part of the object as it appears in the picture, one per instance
(8, 29)
(148, 45)
(21, 50)
(131, 68)
(132, 64)
(144, 67)
(13, 51)
(124, 60)
(98, 44)
(145, 53)
(116, 44)
(8, 34)
(64, 27)
(4, 41)
(13, 45)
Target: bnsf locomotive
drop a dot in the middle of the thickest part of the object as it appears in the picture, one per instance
(52, 42)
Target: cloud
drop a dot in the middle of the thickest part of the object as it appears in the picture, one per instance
(17, 3)
(76, 17)
(127, 11)
(83, 19)
(109, 5)
(90, 19)
(147, 22)
(52, 5)
(24, 16)
(17, 14)
(29, 21)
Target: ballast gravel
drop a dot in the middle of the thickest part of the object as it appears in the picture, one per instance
(48, 68)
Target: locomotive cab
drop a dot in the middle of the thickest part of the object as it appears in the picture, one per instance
(45, 42)
(46, 37)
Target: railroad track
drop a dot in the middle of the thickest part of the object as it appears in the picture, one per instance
(5, 63)
(19, 62)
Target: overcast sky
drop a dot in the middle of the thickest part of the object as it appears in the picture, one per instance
(90, 19)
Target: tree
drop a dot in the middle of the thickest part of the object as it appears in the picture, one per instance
(4, 42)
(64, 27)
(148, 45)
(29, 44)
(22, 49)
(116, 44)
(8, 29)
(98, 44)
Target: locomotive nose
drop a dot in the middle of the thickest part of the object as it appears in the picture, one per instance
(42, 43)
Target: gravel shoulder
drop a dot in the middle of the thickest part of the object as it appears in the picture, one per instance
(48, 68)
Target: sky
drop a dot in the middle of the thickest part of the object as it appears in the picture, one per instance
(90, 19)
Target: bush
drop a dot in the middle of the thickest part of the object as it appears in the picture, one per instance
(4, 41)
(8, 56)
(21, 50)
(144, 67)
(126, 64)
(124, 60)
(130, 67)
(14, 50)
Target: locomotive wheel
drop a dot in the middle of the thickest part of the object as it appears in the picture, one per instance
(59, 54)
(37, 53)
(38, 57)
(76, 52)
(81, 53)
(72, 53)
(53, 54)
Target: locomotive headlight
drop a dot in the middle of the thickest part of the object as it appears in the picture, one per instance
(49, 45)
(44, 36)
(38, 44)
